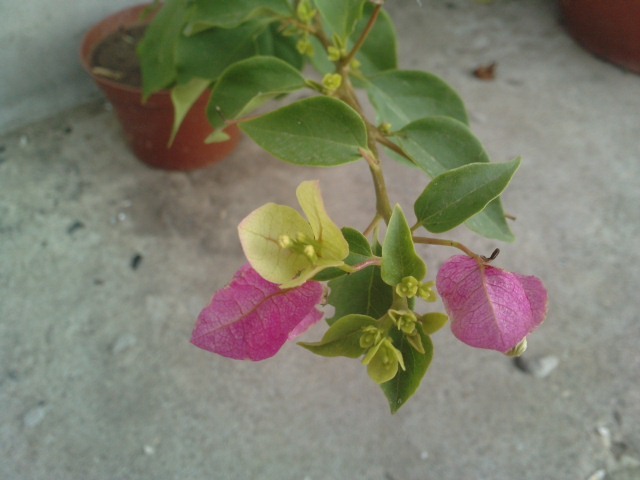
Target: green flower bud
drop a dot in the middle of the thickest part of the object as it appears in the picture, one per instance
(518, 350)
(305, 11)
(405, 320)
(426, 292)
(305, 47)
(382, 366)
(331, 82)
(385, 128)
(334, 53)
(408, 287)
(370, 336)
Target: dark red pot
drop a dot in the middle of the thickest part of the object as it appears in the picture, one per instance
(147, 127)
(608, 28)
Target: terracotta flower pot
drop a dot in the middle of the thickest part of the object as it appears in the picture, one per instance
(147, 127)
(608, 28)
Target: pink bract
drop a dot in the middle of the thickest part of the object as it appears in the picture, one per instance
(489, 307)
(252, 318)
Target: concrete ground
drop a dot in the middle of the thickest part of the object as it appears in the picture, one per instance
(105, 264)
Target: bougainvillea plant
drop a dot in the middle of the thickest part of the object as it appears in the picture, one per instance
(249, 52)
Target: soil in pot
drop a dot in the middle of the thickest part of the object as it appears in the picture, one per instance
(116, 59)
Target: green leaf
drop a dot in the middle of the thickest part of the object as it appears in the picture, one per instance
(456, 195)
(183, 97)
(231, 13)
(399, 257)
(157, 51)
(379, 52)
(342, 339)
(406, 382)
(248, 84)
(362, 292)
(272, 43)
(317, 132)
(209, 53)
(403, 96)
(438, 144)
(432, 322)
(491, 222)
(340, 16)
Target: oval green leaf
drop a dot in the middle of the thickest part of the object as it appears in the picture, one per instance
(342, 339)
(209, 53)
(183, 97)
(248, 84)
(316, 132)
(362, 292)
(399, 257)
(459, 194)
(438, 144)
(231, 13)
(340, 17)
(403, 96)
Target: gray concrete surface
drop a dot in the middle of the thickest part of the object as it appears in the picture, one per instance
(98, 380)
(40, 73)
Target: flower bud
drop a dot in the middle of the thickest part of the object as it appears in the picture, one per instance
(408, 287)
(305, 47)
(518, 350)
(334, 53)
(331, 82)
(405, 320)
(285, 241)
(370, 337)
(426, 292)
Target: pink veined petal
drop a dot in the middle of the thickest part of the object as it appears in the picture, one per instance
(489, 307)
(252, 318)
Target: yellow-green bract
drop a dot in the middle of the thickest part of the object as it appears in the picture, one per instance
(287, 249)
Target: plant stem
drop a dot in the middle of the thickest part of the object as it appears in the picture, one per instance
(367, 231)
(383, 205)
(363, 37)
(448, 243)
(346, 93)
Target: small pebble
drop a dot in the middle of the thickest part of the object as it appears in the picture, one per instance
(598, 475)
(77, 225)
(148, 450)
(34, 416)
(605, 434)
(24, 140)
(424, 455)
(136, 260)
(123, 342)
(539, 367)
